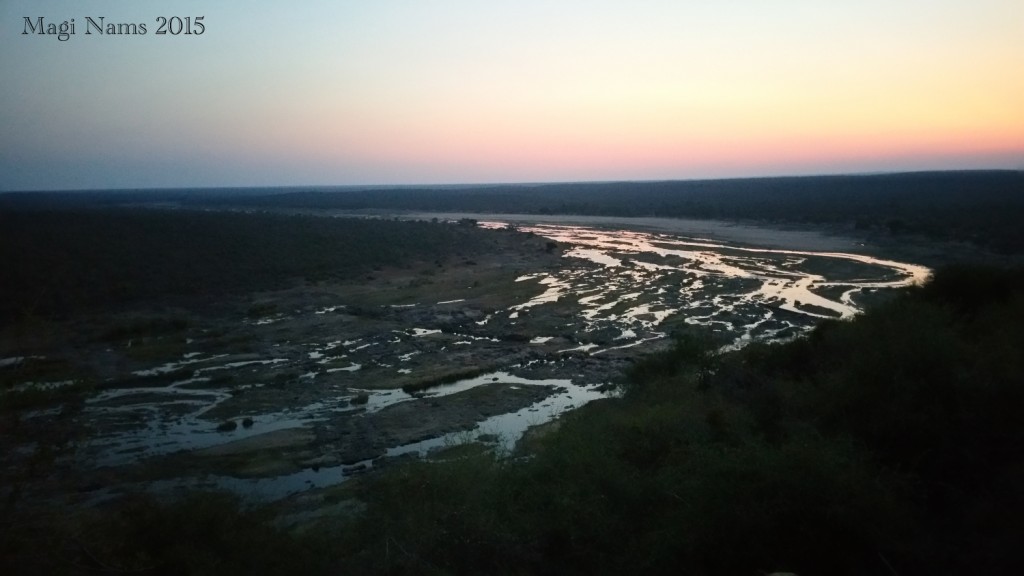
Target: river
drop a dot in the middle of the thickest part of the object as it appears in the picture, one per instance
(617, 291)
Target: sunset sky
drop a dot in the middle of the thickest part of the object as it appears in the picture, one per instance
(447, 91)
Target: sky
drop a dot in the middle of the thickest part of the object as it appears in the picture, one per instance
(467, 91)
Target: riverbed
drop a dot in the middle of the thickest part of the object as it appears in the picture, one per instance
(338, 381)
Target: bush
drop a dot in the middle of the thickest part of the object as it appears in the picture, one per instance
(202, 533)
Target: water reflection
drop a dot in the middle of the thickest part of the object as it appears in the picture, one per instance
(624, 289)
(646, 278)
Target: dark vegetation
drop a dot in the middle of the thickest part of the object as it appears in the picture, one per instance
(201, 533)
(890, 444)
(59, 262)
(982, 207)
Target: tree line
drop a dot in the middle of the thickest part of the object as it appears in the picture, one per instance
(58, 262)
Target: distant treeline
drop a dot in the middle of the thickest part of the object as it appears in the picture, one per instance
(983, 207)
(57, 262)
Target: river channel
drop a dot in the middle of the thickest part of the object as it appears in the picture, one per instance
(617, 293)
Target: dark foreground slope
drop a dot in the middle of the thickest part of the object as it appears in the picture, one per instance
(891, 444)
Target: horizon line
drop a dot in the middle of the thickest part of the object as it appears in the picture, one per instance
(495, 184)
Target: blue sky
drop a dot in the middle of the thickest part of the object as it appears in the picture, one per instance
(396, 92)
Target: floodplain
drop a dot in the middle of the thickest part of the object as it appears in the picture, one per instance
(274, 392)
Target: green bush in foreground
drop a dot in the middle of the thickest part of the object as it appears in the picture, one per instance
(203, 533)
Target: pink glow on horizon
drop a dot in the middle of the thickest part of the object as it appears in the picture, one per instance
(516, 157)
